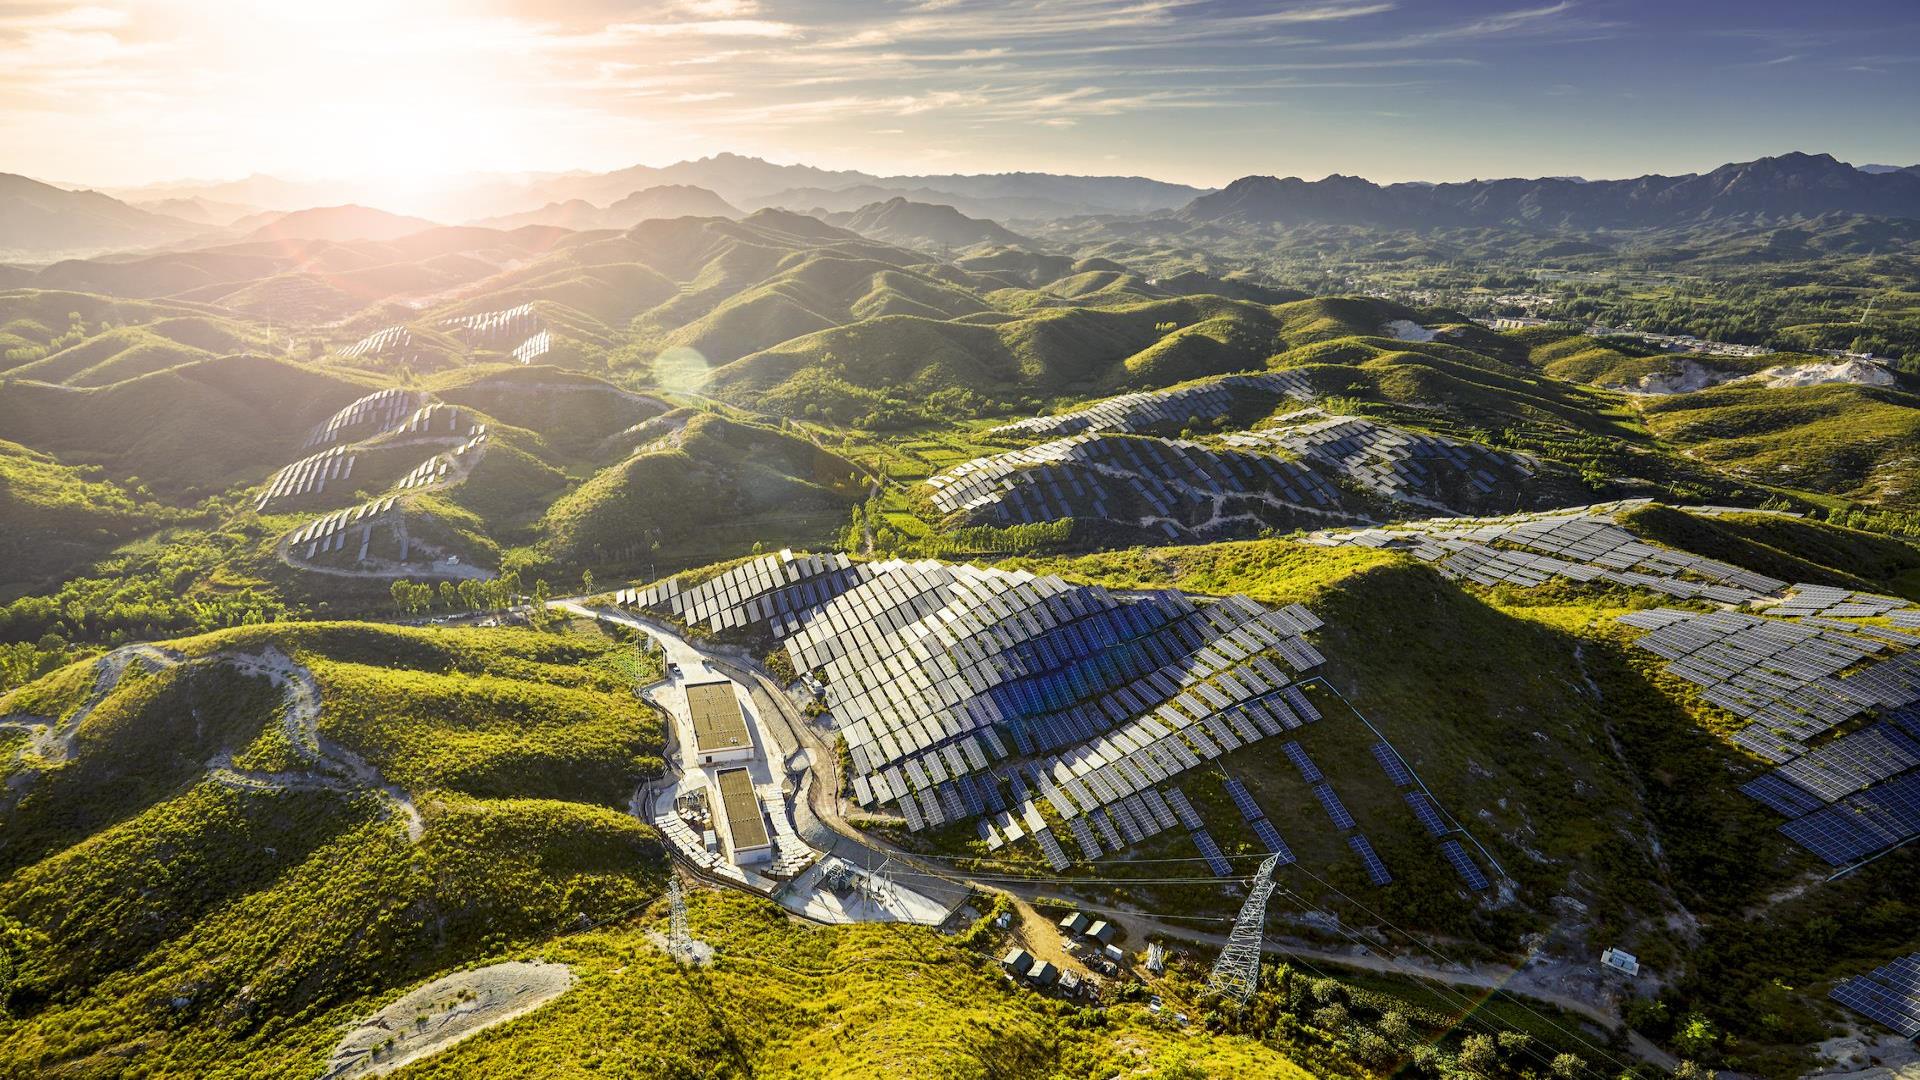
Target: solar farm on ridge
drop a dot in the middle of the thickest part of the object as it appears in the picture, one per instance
(1026, 705)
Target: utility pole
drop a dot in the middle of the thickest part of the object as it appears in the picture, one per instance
(679, 940)
(1237, 971)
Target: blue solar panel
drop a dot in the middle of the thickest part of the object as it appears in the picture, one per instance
(1210, 851)
(1083, 835)
(1376, 870)
(1298, 755)
(1889, 994)
(1782, 795)
(1335, 808)
(1427, 814)
(1883, 815)
(1391, 764)
(1050, 847)
(1270, 839)
(1183, 809)
(1456, 853)
(1300, 704)
(1243, 799)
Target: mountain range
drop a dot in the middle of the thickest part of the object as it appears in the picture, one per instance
(1791, 185)
(39, 221)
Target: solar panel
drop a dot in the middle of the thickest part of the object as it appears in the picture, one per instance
(1243, 799)
(1456, 853)
(1889, 994)
(1050, 847)
(1391, 764)
(1183, 809)
(1301, 706)
(1210, 851)
(1083, 835)
(1298, 755)
(1376, 870)
(1270, 839)
(1782, 795)
(1335, 808)
(1426, 813)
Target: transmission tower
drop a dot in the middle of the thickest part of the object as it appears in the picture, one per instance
(1237, 971)
(679, 940)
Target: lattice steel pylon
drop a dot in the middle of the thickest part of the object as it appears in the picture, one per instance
(679, 940)
(1237, 971)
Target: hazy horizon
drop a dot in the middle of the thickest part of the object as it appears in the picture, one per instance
(119, 95)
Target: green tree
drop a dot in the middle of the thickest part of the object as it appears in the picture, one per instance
(402, 593)
(586, 582)
(540, 616)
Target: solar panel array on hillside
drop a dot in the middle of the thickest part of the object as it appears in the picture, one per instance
(1790, 678)
(962, 692)
(1395, 463)
(379, 343)
(378, 411)
(1172, 484)
(487, 326)
(332, 532)
(535, 347)
(1847, 797)
(439, 467)
(308, 476)
(1834, 603)
(1889, 994)
(1578, 544)
(1176, 407)
(779, 589)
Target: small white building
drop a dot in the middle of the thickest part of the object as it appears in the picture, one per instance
(1621, 960)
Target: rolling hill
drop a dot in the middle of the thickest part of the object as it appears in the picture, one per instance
(39, 220)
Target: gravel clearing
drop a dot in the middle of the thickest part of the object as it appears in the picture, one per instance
(433, 1017)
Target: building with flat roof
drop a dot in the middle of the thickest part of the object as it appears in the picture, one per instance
(743, 830)
(719, 728)
(1620, 960)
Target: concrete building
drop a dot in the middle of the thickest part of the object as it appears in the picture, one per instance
(1621, 960)
(720, 732)
(742, 828)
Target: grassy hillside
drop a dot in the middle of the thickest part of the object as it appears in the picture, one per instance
(1853, 441)
(702, 489)
(196, 428)
(54, 517)
(138, 885)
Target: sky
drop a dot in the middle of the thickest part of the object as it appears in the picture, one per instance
(407, 92)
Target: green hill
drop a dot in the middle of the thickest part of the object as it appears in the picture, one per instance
(198, 427)
(138, 879)
(704, 488)
(1852, 441)
(55, 517)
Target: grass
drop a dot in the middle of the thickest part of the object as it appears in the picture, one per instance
(163, 922)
